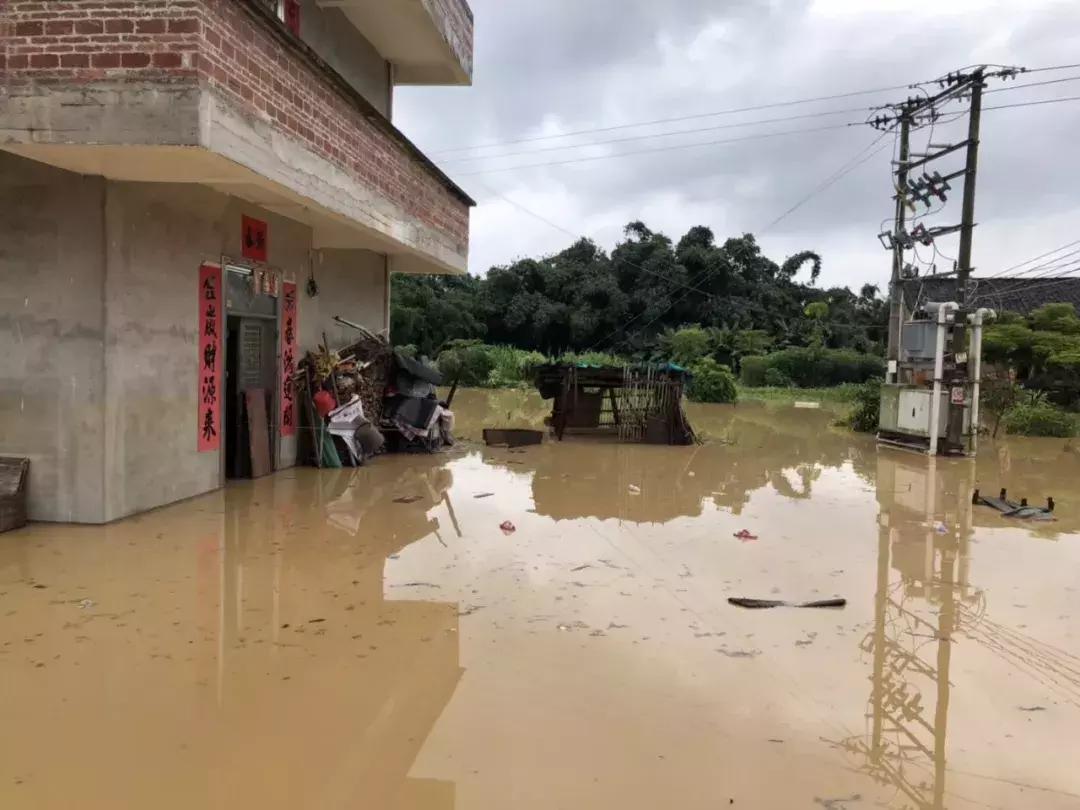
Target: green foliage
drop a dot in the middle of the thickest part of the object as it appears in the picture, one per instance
(712, 382)
(1040, 419)
(469, 362)
(625, 301)
(1007, 343)
(998, 396)
(592, 359)
(832, 395)
(809, 368)
(753, 370)
(1056, 318)
(685, 345)
(865, 414)
(512, 366)
(775, 378)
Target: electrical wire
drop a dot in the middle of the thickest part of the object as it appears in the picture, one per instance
(676, 119)
(1032, 103)
(844, 170)
(1035, 259)
(760, 136)
(728, 111)
(572, 235)
(631, 138)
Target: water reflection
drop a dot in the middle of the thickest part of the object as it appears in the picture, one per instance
(925, 603)
(924, 538)
(750, 447)
(379, 671)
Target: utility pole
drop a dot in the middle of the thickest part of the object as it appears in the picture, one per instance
(967, 218)
(919, 188)
(896, 307)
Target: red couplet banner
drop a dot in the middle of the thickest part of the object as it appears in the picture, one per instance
(211, 358)
(288, 358)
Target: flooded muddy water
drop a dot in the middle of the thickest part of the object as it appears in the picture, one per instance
(373, 639)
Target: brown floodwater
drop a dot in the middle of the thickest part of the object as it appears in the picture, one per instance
(372, 639)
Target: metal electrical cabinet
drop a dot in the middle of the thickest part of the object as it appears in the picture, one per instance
(907, 410)
(913, 412)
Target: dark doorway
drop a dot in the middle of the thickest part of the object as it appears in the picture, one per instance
(250, 377)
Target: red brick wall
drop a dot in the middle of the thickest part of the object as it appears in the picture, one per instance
(242, 57)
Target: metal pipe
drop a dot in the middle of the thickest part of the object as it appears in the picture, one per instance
(939, 369)
(976, 370)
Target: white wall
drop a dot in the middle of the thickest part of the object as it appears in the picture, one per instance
(98, 317)
(52, 382)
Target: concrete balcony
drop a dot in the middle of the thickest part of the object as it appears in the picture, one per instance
(219, 93)
(427, 41)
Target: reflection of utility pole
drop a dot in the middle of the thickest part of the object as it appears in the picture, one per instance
(906, 747)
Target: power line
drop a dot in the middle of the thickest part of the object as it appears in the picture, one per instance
(847, 168)
(735, 125)
(1034, 259)
(759, 136)
(1050, 283)
(715, 113)
(1063, 264)
(675, 119)
(1032, 103)
(572, 235)
(1012, 87)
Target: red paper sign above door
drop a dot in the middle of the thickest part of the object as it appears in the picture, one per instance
(254, 238)
(210, 358)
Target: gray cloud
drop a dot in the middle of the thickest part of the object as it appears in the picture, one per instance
(564, 65)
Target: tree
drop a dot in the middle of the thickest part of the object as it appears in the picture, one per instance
(632, 300)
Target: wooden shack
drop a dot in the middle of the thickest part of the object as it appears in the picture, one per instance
(636, 403)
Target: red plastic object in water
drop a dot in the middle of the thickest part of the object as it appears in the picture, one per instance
(744, 535)
(507, 527)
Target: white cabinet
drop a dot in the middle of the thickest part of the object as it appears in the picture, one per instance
(913, 414)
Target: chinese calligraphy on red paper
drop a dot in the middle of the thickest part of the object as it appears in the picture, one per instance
(254, 238)
(210, 358)
(288, 358)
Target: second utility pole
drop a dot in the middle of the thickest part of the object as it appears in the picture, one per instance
(896, 305)
(967, 216)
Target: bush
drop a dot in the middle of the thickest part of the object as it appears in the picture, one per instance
(593, 359)
(512, 366)
(775, 378)
(813, 368)
(753, 370)
(468, 361)
(866, 414)
(1040, 419)
(685, 345)
(712, 382)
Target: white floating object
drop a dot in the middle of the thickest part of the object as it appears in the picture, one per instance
(799, 403)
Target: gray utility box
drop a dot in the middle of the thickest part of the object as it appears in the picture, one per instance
(918, 340)
(906, 410)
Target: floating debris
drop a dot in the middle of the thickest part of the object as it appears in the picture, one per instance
(407, 499)
(745, 535)
(507, 527)
(744, 602)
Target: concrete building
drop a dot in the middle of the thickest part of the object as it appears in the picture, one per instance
(148, 147)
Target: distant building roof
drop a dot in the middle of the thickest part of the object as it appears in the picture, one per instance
(1022, 295)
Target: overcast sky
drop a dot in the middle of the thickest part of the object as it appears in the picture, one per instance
(558, 66)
